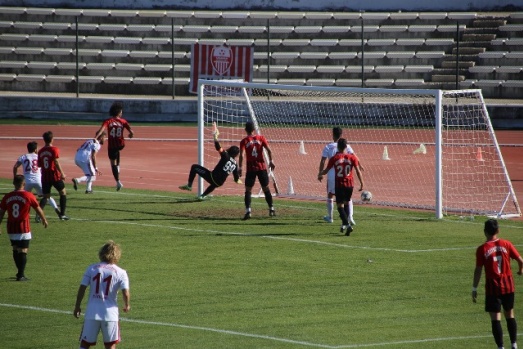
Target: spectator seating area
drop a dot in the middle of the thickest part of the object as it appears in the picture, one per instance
(148, 52)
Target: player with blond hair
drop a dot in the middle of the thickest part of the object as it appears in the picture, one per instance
(104, 280)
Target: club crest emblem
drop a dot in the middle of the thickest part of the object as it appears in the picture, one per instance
(221, 59)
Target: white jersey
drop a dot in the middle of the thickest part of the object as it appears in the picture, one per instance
(328, 152)
(84, 153)
(104, 281)
(30, 167)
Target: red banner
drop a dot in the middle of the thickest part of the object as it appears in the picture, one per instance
(215, 62)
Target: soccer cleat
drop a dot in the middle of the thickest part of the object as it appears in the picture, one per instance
(21, 278)
(38, 219)
(202, 198)
(88, 191)
(75, 184)
(119, 186)
(272, 212)
(247, 216)
(348, 230)
(185, 187)
(64, 218)
(342, 228)
(328, 219)
(351, 221)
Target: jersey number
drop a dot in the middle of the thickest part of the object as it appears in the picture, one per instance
(229, 167)
(342, 171)
(15, 210)
(98, 281)
(46, 163)
(30, 166)
(499, 262)
(116, 132)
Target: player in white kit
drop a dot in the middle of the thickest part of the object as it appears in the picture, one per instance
(104, 280)
(328, 152)
(86, 159)
(32, 174)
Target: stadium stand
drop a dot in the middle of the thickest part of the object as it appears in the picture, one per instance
(135, 48)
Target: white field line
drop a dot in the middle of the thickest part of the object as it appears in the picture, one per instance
(270, 338)
(251, 335)
(283, 238)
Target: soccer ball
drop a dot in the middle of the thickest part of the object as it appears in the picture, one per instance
(366, 196)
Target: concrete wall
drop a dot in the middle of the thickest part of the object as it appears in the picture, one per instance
(302, 5)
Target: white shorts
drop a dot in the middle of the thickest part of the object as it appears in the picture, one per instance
(37, 186)
(330, 183)
(87, 167)
(110, 331)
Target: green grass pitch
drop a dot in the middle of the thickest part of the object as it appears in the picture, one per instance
(202, 278)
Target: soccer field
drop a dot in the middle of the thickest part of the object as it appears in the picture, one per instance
(202, 278)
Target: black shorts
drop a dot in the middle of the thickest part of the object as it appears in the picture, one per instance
(343, 194)
(114, 153)
(493, 304)
(263, 178)
(20, 243)
(58, 185)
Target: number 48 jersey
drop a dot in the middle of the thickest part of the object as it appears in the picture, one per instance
(115, 129)
(104, 281)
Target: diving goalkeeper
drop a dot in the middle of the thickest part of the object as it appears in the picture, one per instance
(222, 170)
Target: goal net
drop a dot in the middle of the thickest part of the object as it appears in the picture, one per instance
(424, 149)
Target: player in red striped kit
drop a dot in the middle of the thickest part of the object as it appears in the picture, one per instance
(33, 174)
(494, 256)
(17, 204)
(114, 128)
(52, 174)
(343, 164)
(254, 147)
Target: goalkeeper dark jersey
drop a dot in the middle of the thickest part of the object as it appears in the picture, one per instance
(224, 168)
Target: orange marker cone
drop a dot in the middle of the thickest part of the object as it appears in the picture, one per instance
(479, 154)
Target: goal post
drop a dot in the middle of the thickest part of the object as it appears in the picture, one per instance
(423, 149)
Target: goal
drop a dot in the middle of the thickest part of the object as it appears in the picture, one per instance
(423, 149)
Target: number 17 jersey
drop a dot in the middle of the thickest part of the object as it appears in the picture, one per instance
(104, 281)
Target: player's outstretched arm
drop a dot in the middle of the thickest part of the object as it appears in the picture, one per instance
(475, 282)
(101, 130)
(79, 296)
(126, 300)
(218, 146)
(360, 177)
(15, 168)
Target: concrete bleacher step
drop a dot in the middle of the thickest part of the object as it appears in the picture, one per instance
(461, 64)
(488, 23)
(447, 78)
(469, 50)
(478, 37)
